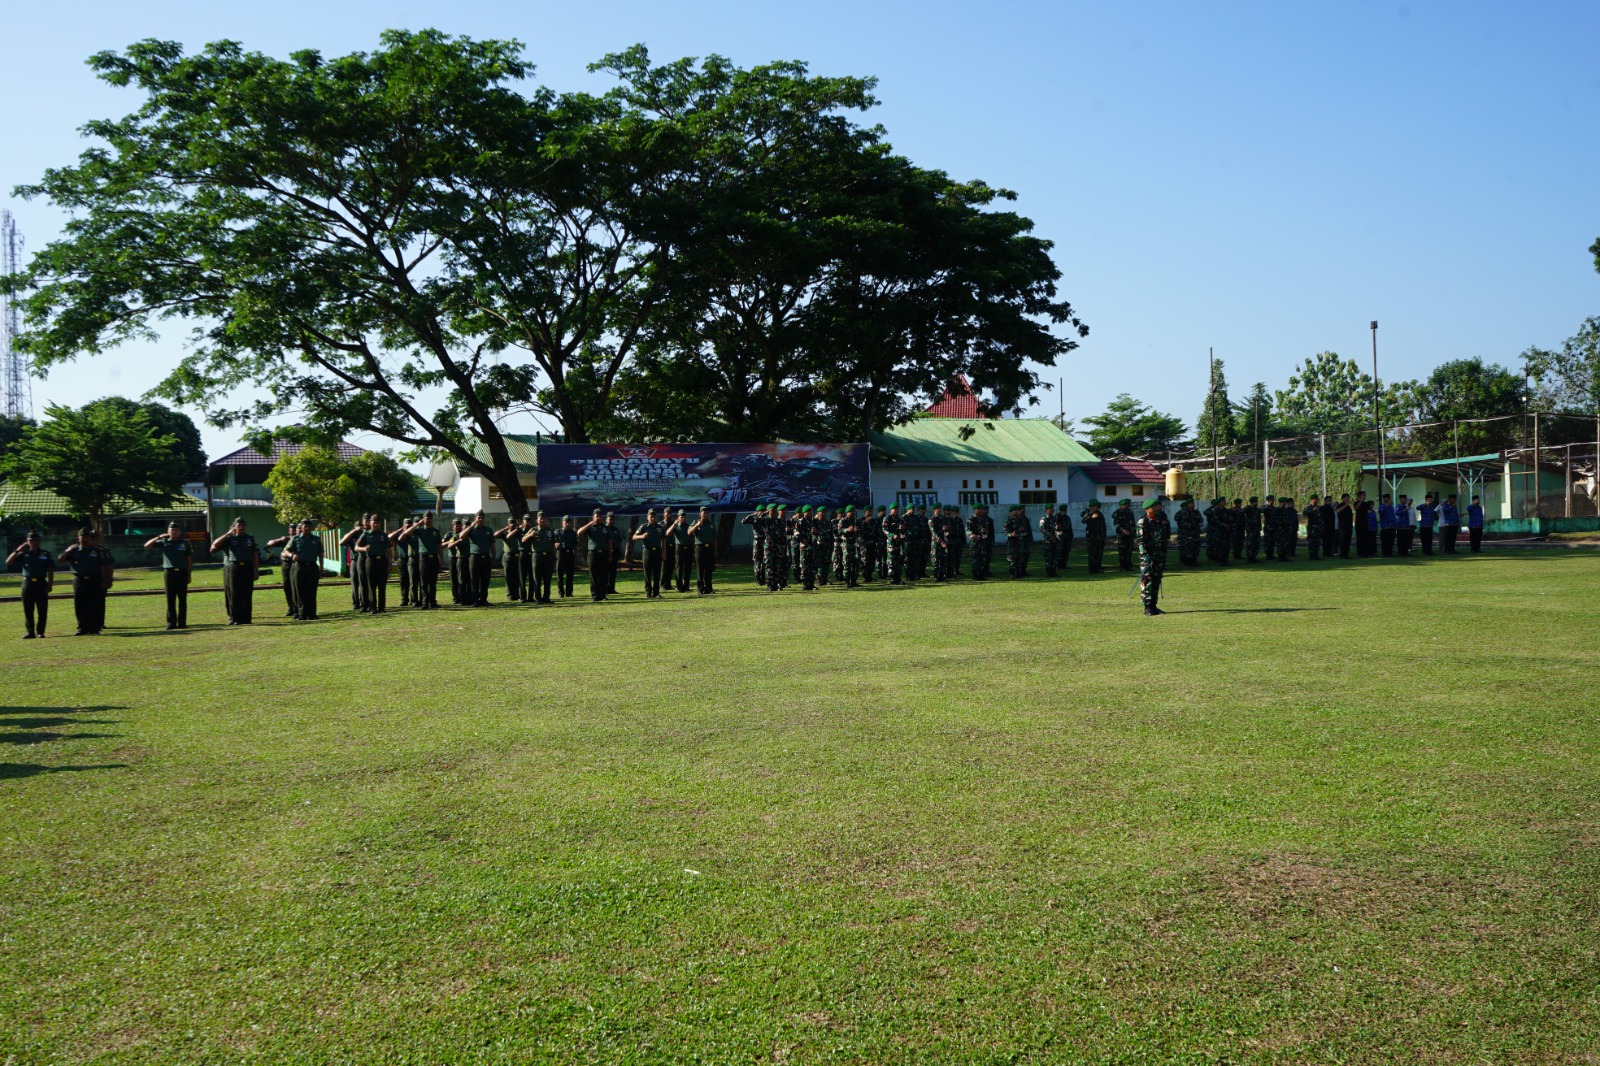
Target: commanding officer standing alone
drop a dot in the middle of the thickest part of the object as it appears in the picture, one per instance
(38, 580)
(177, 568)
(241, 561)
(92, 571)
(1153, 532)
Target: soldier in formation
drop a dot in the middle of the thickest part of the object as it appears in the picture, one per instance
(1094, 536)
(1019, 540)
(1189, 527)
(177, 568)
(1122, 521)
(38, 569)
(980, 534)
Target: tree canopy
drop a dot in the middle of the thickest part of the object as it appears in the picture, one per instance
(164, 420)
(102, 461)
(403, 242)
(316, 482)
(1465, 389)
(1127, 426)
(1329, 394)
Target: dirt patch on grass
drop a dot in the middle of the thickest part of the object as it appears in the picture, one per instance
(1279, 887)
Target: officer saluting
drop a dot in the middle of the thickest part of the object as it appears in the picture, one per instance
(38, 579)
(177, 567)
(241, 562)
(92, 568)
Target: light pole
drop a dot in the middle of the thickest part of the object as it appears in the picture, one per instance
(1377, 419)
(1211, 408)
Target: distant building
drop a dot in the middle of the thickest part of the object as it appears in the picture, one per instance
(966, 462)
(1112, 480)
(473, 492)
(55, 516)
(237, 487)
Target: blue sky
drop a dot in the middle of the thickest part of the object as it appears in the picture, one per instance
(1261, 178)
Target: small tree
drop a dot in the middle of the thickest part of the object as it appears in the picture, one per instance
(164, 420)
(316, 481)
(101, 461)
(1215, 426)
(1128, 426)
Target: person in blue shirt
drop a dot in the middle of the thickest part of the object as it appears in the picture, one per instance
(1403, 530)
(1427, 515)
(1475, 524)
(1449, 525)
(1386, 525)
(38, 579)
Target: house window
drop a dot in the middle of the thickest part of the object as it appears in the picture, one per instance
(991, 483)
(902, 482)
(1136, 491)
(916, 499)
(963, 482)
(1036, 496)
(930, 482)
(916, 484)
(496, 494)
(1049, 483)
(1110, 490)
(972, 499)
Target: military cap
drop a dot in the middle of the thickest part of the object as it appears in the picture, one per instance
(1094, 503)
(1253, 499)
(1154, 502)
(1016, 507)
(1063, 507)
(980, 507)
(881, 507)
(804, 507)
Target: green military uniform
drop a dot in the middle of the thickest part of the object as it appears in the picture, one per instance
(38, 576)
(425, 553)
(177, 567)
(241, 559)
(539, 547)
(89, 565)
(307, 551)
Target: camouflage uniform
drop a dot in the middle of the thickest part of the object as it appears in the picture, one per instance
(1288, 530)
(1019, 541)
(1122, 519)
(1064, 534)
(1236, 528)
(956, 540)
(1094, 536)
(1313, 513)
(849, 547)
(805, 546)
(1216, 534)
(939, 544)
(824, 534)
(1252, 530)
(871, 543)
(1050, 543)
(1189, 525)
(894, 551)
(1269, 528)
(980, 532)
(1153, 534)
(777, 550)
(757, 521)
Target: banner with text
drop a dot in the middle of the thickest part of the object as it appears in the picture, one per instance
(631, 478)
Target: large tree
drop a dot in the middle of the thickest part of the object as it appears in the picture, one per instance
(1459, 392)
(1127, 426)
(830, 282)
(14, 429)
(317, 482)
(164, 420)
(1329, 394)
(102, 461)
(358, 237)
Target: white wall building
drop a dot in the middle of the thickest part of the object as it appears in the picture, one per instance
(970, 461)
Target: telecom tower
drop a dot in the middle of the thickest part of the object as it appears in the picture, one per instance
(16, 386)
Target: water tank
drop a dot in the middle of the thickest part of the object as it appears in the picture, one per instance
(1177, 482)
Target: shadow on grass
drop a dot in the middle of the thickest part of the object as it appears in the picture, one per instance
(11, 770)
(1249, 610)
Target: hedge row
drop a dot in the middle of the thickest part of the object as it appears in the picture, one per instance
(1300, 482)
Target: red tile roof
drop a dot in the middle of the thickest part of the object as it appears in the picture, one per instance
(960, 403)
(248, 456)
(1123, 472)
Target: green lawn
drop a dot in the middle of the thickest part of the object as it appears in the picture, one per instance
(1318, 813)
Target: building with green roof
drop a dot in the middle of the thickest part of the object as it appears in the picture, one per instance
(968, 461)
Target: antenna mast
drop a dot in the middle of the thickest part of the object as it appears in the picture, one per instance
(16, 385)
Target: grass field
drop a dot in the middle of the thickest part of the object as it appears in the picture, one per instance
(1318, 813)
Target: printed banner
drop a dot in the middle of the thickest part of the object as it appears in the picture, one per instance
(631, 478)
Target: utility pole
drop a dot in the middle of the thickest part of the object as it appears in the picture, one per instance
(1377, 418)
(1211, 408)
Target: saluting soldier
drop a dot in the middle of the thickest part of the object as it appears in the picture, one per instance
(1252, 531)
(687, 548)
(598, 542)
(511, 563)
(870, 542)
(1094, 536)
(424, 542)
(455, 551)
(304, 551)
(1236, 530)
(704, 532)
(1288, 528)
(1064, 536)
(92, 571)
(777, 548)
(1313, 516)
(400, 545)
(566, 557)
(539, 547)
(480, 560)
(285, 568)
(1050, 542)
(757, 521)
(177, 568)
(373, 546)
(240, 567)
(894, 540)
(653, 538)
(38, 581)
(669, 547)
(1188, 523)
(357, 562)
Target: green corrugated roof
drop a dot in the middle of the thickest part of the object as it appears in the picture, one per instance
(1491, 457)
(14, 499)
(522, 446)
(1003, 440)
